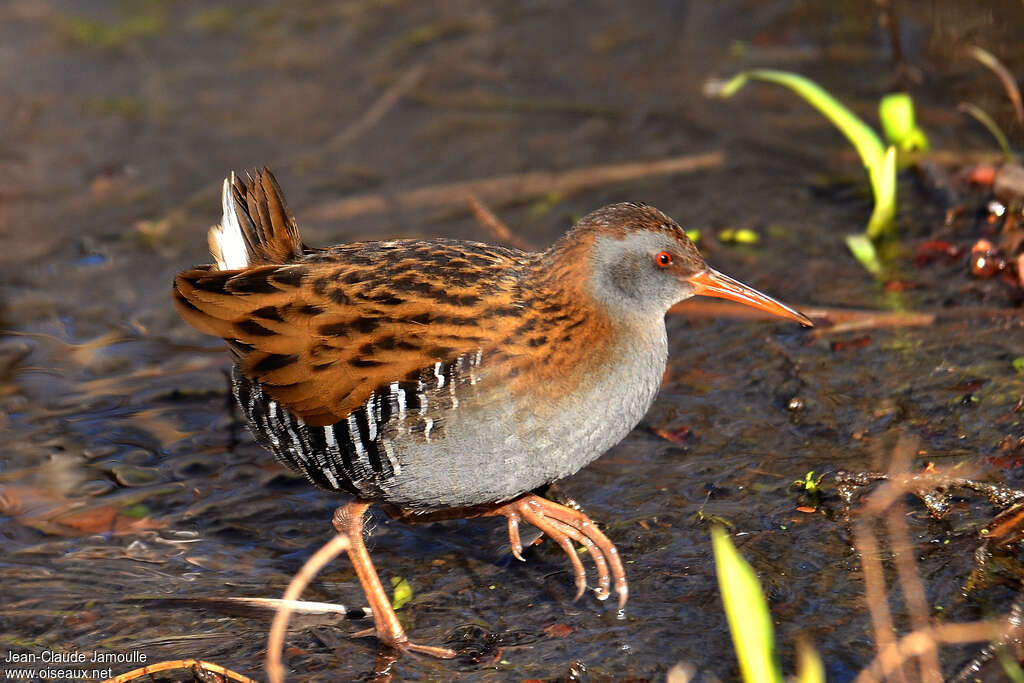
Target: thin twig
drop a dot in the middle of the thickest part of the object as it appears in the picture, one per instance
(275, 642)
(826, 320)
(486, 218)
(296, 606)
(913, 589)
(502, 190)
(372, 116)
(982, 117)
(874, 595)
(906, 567)
(1004, 75)
(923, 642)
(180, 664)
(839, 320)
(887, 661)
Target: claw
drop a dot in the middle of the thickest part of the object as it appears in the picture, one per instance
(565, 526)
(513, 536)
(603, 580)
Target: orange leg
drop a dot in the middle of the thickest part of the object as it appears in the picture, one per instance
(565, 525)
(348, 520)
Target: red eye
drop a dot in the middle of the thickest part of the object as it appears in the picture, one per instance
(663, 259)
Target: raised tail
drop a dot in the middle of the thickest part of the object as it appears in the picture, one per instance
(256, 227)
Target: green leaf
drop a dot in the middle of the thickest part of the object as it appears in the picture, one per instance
(138, 511)
(863, 249)
(1018, 365)
(883, 184)
(896, 112)
(869, 146)
(808, 665)
(739, 236)
(1010, 666)
(402, 592)
(747, 611)
(879, 161)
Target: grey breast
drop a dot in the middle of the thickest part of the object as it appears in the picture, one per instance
(492, 448)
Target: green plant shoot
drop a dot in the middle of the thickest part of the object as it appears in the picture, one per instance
(879, 160)
(896, 112)
(863, 249)
(402, 592)
(869, 146)
(750, 622)
(884, 181)
(809, 666)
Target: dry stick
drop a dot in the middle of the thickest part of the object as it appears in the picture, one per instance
(828, 320)
(913, 644)
(510, 188)
(877, 504)
(180, 664)
(840, 320)
(296, 606)
(923, 642)
(874, 594)
(913, 590)
(890, 20)
(378, 109)
(275, 642)
(486, 218)
(906, 567)
(1004, 75)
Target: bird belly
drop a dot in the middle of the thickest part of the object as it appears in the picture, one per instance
(495, 449)
(465, 442)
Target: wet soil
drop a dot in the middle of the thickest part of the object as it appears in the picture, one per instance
(131, 492)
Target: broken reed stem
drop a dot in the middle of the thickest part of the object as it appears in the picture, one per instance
(1004, 75)
(884, 502)
(827, 320)
(378, 110)
(510, 188)
(923, 642)
(494, 225)
(275, 642)
(878, 605)
(913, 644)
(913, 589)
(906, 568)
(180, 664)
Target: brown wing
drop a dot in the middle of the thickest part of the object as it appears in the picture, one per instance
(321, 334)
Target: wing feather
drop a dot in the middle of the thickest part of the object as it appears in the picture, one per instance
(323, 333)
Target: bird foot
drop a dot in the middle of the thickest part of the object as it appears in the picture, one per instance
(406, 645)
(564, 525)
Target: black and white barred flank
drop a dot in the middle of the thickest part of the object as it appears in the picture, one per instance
(357, 454)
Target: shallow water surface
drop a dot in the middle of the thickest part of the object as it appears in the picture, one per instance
(131, 494)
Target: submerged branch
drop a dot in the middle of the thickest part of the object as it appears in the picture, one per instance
(510, 188)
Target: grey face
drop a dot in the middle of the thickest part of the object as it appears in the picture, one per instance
(643, 273)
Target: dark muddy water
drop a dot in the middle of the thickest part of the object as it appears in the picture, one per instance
(131, 493)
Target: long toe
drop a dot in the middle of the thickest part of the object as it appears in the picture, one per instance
(600, 563)
(405, 645)
(586, 526)
(532, 516)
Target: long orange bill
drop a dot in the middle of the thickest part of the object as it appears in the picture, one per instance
(712, 283)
